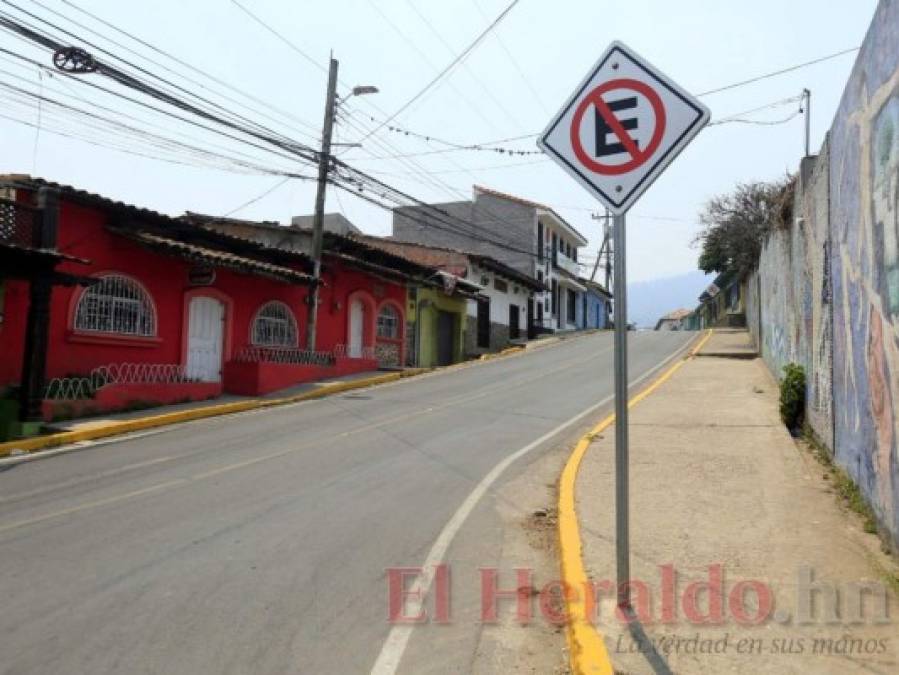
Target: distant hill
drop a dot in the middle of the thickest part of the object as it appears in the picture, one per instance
(648, 301)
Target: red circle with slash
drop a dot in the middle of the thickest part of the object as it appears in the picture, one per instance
(638, 156)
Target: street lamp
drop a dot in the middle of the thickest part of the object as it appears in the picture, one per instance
(364, 89)
(332, 103)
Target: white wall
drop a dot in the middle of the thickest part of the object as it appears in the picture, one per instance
(499, 301)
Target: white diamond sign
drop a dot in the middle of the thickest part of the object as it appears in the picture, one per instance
(622, 127)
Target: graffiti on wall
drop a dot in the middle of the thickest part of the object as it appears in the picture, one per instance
(864, 193)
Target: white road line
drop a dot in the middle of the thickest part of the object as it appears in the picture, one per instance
(394, 646)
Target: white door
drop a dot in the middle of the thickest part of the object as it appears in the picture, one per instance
(357, 322)
(206, 320)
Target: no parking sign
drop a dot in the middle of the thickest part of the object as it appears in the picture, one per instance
(616, 133)
(621, 127)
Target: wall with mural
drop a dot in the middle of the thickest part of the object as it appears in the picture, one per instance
(826, 290)
(864, 198)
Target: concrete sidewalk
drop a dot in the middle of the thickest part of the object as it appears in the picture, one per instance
(718, 484)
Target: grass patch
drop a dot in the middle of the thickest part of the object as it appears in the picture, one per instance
(845, 488)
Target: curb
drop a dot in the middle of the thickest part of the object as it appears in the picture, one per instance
(587, 652)
(30, 445)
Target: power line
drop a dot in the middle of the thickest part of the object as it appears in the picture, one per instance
(779, 72)
(475, 146)
(455, 146)
(424, 57)
(257, 198)
(487, 90)
(250, 97)
(279, 36)
(48, 40)
(91, 116)
(462, 55)
(515, 64)
(123, 78)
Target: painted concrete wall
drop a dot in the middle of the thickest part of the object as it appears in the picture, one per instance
(597, 310)
(424, 308)
(864, 223)
(82, 233)
(826, 291)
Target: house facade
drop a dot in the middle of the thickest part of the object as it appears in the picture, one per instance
(155, 309)
(498, 314)
(527, 236)
(420, 324)
(597, 306)
(675, 320)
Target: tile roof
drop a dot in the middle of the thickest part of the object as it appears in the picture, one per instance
(677, 315)
(210, 256)
(177, 235)
(449, 259)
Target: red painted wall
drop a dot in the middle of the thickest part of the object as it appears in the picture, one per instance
(82, 233)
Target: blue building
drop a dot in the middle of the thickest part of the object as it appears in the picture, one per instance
(596, 306)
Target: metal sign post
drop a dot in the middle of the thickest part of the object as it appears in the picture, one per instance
(622, 521)
(619, 130)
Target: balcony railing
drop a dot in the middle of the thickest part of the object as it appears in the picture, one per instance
(17, 223)
(567, 264)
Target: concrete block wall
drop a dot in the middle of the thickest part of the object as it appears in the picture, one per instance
(507, 223)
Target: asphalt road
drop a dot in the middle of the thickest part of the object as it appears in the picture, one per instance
(258, 543)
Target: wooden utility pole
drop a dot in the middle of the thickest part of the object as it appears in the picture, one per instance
(318, 219)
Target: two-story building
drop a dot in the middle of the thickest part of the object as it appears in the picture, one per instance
(528, 236)
(498, 315)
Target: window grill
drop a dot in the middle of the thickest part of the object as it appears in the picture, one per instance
(388, 323)
(116, 305)
(275, 326)
(16, 223)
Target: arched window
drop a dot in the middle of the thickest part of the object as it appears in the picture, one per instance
(388, 322)
(116, 305)
(275, 326)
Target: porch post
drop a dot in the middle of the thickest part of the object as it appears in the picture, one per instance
(34, 362)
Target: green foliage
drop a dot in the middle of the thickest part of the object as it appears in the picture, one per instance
(845, 488)
(792, 396)
(735, 225)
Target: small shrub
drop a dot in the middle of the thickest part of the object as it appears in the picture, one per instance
(792, 397)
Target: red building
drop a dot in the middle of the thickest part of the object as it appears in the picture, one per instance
(175, 311)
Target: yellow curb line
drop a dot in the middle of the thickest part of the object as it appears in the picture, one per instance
(30, 445)
(127, 426)
(586, 649)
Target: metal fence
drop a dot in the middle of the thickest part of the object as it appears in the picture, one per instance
(78, 387)
(300, 357)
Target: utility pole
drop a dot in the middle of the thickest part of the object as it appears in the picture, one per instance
(807, 108)
(604, 250)
(318, 219)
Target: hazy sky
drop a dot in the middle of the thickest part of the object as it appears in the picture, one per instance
(509, 86)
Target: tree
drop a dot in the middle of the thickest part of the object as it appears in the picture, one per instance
(735, 225)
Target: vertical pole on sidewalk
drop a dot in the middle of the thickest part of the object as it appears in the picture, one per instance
(622, 536)
(318, 218)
